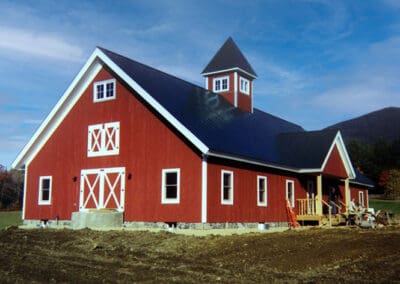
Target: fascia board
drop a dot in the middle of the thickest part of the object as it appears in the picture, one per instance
(59, 111)
(156, 105)
(230, 70)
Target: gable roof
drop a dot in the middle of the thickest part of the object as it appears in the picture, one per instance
(206, 119)
(229, 57)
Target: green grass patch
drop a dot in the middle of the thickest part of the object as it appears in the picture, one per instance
(379, 204)
(10, 218)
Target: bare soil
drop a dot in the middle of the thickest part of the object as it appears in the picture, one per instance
(314, 255)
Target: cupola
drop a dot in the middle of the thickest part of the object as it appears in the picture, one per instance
(231, 75)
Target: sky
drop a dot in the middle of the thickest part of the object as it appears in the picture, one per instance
(318, 62)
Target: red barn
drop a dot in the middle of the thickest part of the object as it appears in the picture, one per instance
(158, 149)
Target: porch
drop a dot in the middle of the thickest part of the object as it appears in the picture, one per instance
(313, 210)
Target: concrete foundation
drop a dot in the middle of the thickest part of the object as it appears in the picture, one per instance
(97, 219)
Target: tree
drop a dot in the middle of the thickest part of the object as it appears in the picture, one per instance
(392, 187)
(11, 186)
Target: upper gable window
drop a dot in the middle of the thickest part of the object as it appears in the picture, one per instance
(244, 86)
(103, 139)
(104, 90)
(221, 84)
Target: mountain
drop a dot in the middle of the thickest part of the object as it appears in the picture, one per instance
(384, 123)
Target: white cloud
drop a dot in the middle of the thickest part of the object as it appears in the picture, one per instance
(39, 44)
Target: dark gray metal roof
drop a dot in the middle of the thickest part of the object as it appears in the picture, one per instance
(229, 56)
(226, 130)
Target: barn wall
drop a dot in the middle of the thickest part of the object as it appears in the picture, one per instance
(245, 208)
(147, 145)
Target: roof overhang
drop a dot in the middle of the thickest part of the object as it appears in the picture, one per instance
(229, 70)
(75, 90)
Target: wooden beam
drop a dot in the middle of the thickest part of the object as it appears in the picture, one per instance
(347, 195)
(318, 203)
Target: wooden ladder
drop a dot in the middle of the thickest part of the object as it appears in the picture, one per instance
(291, 215)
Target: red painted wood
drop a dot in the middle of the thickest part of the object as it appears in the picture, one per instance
(147, 146)
(245, 208)
(335, 166)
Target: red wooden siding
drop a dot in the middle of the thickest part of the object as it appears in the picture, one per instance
(245, 208)
(335, 166)
(147, 145)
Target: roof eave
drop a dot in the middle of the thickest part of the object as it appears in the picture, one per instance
(254, 76)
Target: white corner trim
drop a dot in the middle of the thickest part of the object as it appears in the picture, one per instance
(235, 89)
(204, 190)
(25, 187)
(338, 142)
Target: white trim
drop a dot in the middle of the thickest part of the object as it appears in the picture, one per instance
(338, 141)
(25, 187)
(265, 202)
(104, 84)
(361, 197)
(99, 140)
(81, 82)
(246, 82)
(204, 190)
(220, 80)
(73, 93)
(235, 89)
(289, 181)
(164, 199)
(229, 70)
(231, 195)
(40, 192)
(251, 96)
(206, 82)
(99, 184)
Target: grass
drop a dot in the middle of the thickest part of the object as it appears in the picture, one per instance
(380, 204)
(10, 218)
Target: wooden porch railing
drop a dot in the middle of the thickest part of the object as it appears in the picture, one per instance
(306, 207)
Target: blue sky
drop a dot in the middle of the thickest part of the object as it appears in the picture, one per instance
(318, 62)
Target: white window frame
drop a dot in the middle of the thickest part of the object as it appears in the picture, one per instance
(288, 181)
(104, 83)
(265, 181)
(361, 198)
(40, 195)
(220, 81)
(228, 201)
(164, 199)
(99, 139)
(244, 86)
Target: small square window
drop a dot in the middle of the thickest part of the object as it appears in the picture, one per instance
(170, 186)
(104, 90)
(44, 190)
(227, 187)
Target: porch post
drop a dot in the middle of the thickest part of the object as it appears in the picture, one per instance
(318, 209)
(347, 196)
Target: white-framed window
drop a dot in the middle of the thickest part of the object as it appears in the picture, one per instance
(361, 199)
(103, 139)
(262, 191)
(170, 187)
(244, 86)
(290, 192)
(44, 190)
(221, 84)
(226, 187)
(104, 90)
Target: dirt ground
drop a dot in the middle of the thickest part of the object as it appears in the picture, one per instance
(311, 255)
